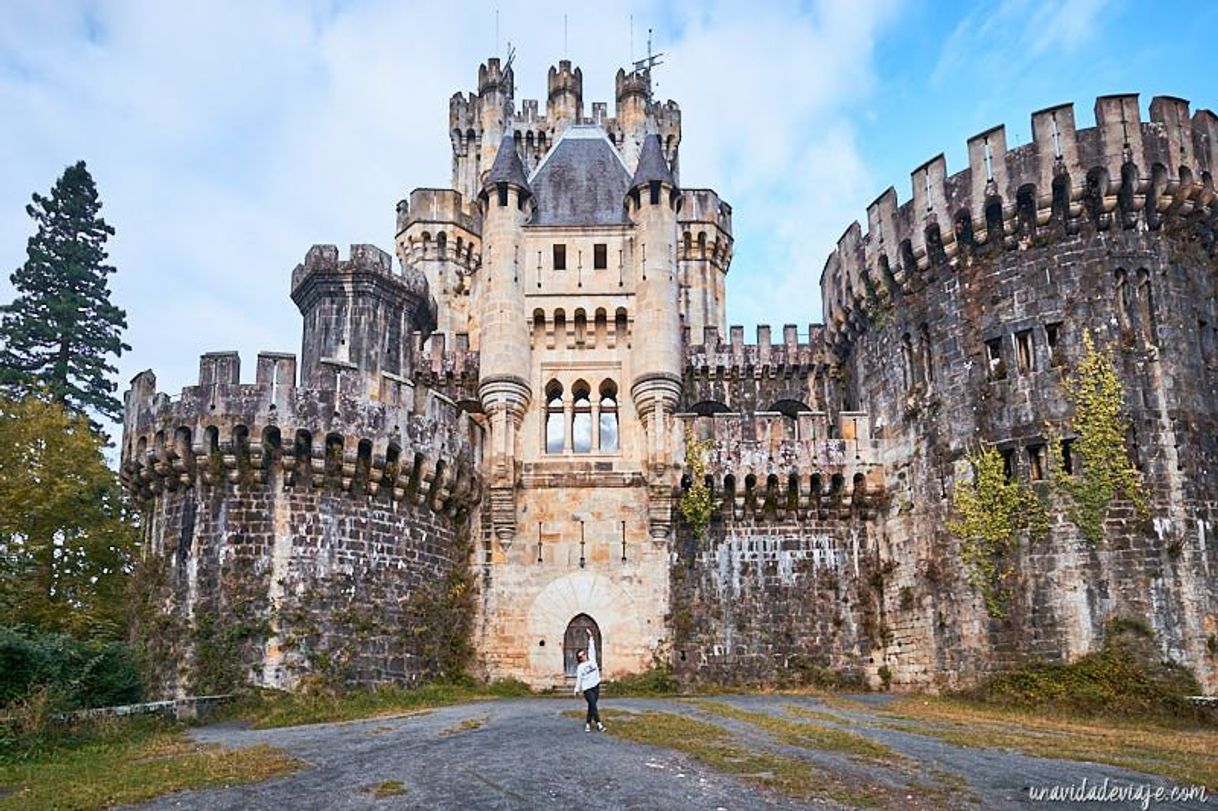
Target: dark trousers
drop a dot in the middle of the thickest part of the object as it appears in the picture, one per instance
(591, 695)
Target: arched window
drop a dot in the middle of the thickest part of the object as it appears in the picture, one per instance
(608, 416)
(907, 364)
(555, 429)
(581, 418)
(441, 244)
(1146, 308)
(600, 327)
(581, 327)
(1124, 297)
(701, 244)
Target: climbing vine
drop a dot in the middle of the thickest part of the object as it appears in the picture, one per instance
(1106, 474)
(695, 504)
(992, 511)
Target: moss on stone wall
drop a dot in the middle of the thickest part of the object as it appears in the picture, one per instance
(695, 504)
(992, 511)
(1106, 473)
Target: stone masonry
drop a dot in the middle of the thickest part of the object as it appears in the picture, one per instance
(530, 377)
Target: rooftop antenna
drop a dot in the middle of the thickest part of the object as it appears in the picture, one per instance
(511, 55)
(496, 32)
(565, 52)
(632, 38)
(645, 64)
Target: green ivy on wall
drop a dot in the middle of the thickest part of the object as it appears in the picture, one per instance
(992, 512)
(1106, 473)
(695, 504)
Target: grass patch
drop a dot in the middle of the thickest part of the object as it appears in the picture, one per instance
(1177, 753)
(267, 709)
(133, 764)
(467, 725)
(715, 747)
(815, 715)
(808, 735)
(387, 788)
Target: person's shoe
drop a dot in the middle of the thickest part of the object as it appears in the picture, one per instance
(587, 727)
(600, 727)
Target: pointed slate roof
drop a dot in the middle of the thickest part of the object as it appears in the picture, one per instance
(581, 181)
(652, 165)
(507, 167)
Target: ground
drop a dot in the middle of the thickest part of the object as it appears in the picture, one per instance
(530, 753)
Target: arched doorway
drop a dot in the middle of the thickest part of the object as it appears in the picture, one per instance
(576, 639)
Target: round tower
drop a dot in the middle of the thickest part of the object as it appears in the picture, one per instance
(565, 101)
(495, 94)
(652, 205)
(633, 90)
(503, 387)
(359, 312)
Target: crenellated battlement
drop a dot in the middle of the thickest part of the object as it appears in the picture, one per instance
(1123, 173)
(635, 83)
(477, 120)
(734, 357)
(410, 443)
(323, 260)
(449, 367)
(705, 225)
(492, 76)
(434, 225)
(770, 463)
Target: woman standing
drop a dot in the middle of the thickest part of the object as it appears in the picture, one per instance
(588, 682)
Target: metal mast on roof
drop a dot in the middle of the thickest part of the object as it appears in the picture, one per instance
(648, 62)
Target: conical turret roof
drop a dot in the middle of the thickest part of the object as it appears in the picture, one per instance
(652, 165)
(507, 167)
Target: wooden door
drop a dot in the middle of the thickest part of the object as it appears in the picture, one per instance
(576, 639)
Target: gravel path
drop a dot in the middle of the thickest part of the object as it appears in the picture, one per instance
(523, 754)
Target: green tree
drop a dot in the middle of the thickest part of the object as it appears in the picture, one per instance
(61, 330)
(65, 543)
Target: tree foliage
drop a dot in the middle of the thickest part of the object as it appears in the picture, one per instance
(1107, 474)
(64, 541)
(992, 511)
(61, 331)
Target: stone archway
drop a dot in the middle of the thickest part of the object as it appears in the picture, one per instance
(575, 639)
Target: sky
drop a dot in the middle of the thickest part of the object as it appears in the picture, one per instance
(227, 137)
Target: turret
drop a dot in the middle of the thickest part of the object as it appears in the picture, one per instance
(503, 387)
(358, 313)
(633, 93)
(437, 236)
(652, 204)
(495, 94)
(704, 254)
(565, 101)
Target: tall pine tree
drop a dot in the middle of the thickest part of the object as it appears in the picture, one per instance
(59, 334)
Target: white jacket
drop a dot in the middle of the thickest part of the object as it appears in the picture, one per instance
(587, 675)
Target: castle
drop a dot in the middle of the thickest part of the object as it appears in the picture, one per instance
(514, 401)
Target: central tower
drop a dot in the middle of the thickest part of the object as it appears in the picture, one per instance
(563, 257)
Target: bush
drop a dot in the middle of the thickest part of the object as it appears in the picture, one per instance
(73, 674)
(658, 681)
(1124, 679)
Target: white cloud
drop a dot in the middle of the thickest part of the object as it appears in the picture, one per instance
(1006, 37)
(227, 137)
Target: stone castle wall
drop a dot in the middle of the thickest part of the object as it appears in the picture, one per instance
(958, 317)
(298, 533)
